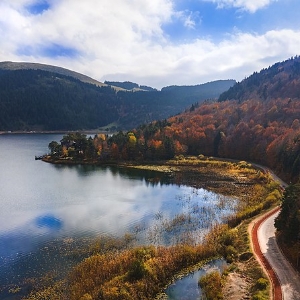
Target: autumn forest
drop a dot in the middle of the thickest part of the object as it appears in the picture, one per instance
(255, 120)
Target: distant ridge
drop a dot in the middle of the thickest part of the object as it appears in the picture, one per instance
(256, 120)
(130, 86)
(9, 65)
(39, 97)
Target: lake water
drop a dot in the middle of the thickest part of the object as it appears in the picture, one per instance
(187, 288)
(42, 204)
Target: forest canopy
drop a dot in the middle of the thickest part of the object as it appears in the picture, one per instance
(40, 100)
(257, 129)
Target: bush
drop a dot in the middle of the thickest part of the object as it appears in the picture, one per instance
(272, 197)
(246, 256)
(179, 157)
(259, 296)
(261, 284)
(243, 165)
(211, 286)
(137, 270)
(230, 253)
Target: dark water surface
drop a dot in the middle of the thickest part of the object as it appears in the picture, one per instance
(43, 206)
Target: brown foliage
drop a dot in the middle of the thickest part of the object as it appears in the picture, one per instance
(139, 273)
(266, 132)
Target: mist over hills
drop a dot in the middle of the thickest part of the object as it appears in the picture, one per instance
(42, 97)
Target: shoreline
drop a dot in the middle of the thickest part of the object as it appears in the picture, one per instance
(92, 131)
(217, 175)
(227, 177)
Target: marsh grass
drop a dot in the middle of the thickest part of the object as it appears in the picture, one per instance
(119, 269)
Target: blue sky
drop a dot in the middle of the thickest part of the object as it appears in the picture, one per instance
(38, 7)
(216, 23)
(156, 43)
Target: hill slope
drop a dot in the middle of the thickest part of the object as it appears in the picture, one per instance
(41, 97)
(282, 80)
(41, 100)
(11, 66)
(247, 127)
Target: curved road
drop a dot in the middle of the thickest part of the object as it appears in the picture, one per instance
(288, 277)
(285, 280)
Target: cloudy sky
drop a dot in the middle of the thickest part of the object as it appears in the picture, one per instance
(152, 42)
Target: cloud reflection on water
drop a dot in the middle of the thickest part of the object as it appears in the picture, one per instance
(49, 221)
(86, 201)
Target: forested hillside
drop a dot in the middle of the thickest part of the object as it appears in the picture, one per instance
(288, 224)
(210, 90)
(40, 99)
(282, 80)
(260, 129)
(245, 124)
(127, 85)
(142, 107)
(13, 66)
(259, 122)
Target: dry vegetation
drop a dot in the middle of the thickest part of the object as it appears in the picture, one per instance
(124, 272)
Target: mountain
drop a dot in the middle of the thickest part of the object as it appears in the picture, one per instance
(257, 120)
(130, 86)
(12, 66)
(41, 100)
(42, 97)
(208, 90)
(142, 107)
(282, 80)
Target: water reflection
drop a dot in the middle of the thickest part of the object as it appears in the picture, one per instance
(41, 203)
(50, 222)
(109, 202)
(187, 288)
(112, 203)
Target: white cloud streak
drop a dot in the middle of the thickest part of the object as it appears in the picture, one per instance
(188, 18)
(249, 5)
(124, 40)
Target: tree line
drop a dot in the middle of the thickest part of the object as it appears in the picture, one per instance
(42, 100)
(261, 132)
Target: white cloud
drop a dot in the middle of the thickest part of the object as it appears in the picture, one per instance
(249, 5)
(203, 60)
(124, 40)
(188, 18)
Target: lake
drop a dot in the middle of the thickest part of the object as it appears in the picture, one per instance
(43, 205)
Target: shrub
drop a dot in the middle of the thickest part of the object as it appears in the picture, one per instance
(86, 297)
(179, 157)
(230, 253)
(137, 270)
(259, 296)
(243, 164)
(261, 284)
(246, 256)
(211, 285)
